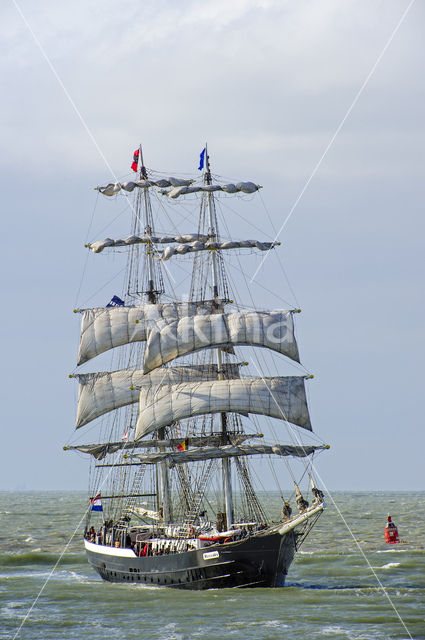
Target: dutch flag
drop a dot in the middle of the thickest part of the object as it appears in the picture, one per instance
(96, 503)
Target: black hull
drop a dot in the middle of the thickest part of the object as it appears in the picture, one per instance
(259, 561)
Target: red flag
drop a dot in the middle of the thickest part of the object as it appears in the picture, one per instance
(125, 436)
(135, 160)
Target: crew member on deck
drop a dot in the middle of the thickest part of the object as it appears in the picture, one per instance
(286, 510)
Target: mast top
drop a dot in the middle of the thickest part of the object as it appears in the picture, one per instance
(143, 172)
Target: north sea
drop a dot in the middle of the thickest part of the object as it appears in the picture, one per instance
(345, 583)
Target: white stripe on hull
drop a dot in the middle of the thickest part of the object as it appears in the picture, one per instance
(109, 551)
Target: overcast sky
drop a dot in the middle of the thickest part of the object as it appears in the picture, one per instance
(267, 83)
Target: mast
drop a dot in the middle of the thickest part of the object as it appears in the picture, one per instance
(209, 384)
(152, 295)
(226, 468)
(151, 292)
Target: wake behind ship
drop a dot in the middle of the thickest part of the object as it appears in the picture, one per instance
(180, 452)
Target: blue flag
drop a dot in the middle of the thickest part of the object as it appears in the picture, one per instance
(115, 302)
(201, 159)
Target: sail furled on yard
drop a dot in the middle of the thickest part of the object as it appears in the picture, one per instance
(213, 245)
(100, 450)
(277, 397)
(239, 187)
(100, 245)
(271, 329)
(185, 244)
(227, 451)
(104, 328)
(105, 391)
(179, 186)
(113, 188)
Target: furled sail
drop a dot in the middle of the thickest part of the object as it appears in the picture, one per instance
(100, 450)
(100, 245)
(105, 391)
(142, 512)
(113, 188)
(272, 329)
(108, 327)
(226, 451)
(244, 187)
(179, 186)
(277, 397)
(210, 245)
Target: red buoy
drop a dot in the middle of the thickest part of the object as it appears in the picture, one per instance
(391, 532)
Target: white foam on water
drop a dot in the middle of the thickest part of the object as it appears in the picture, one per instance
(171, 629)
(29, 539)
(333, 630)
(25, 574)
(276, 623)
(138, 585)
(268, 623)
(10, 613)
(73, 575)
(13, 604)
(390, 565)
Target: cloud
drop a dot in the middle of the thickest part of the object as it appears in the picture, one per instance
(276, 76)
(266, 83)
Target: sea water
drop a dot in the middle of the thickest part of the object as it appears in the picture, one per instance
(345, 583)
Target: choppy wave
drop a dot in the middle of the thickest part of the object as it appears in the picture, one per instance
(392, 550)
(38, 557)
(331, 592)
(390, 565)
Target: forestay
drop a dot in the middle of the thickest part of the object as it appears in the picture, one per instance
(272, 329)
(109, 327)
(105, 391)
(277, 397)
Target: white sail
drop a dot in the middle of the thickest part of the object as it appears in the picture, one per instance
(211, 245)
(277, 397)
(108, 327)
(180, 187)
(244, 187)
(272, 329)
(226, 451)
(100, 245)
(101, 450)
(105, 391)
(145, 513)
(113, 188)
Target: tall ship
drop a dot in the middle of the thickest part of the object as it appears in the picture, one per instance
(191, 417)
